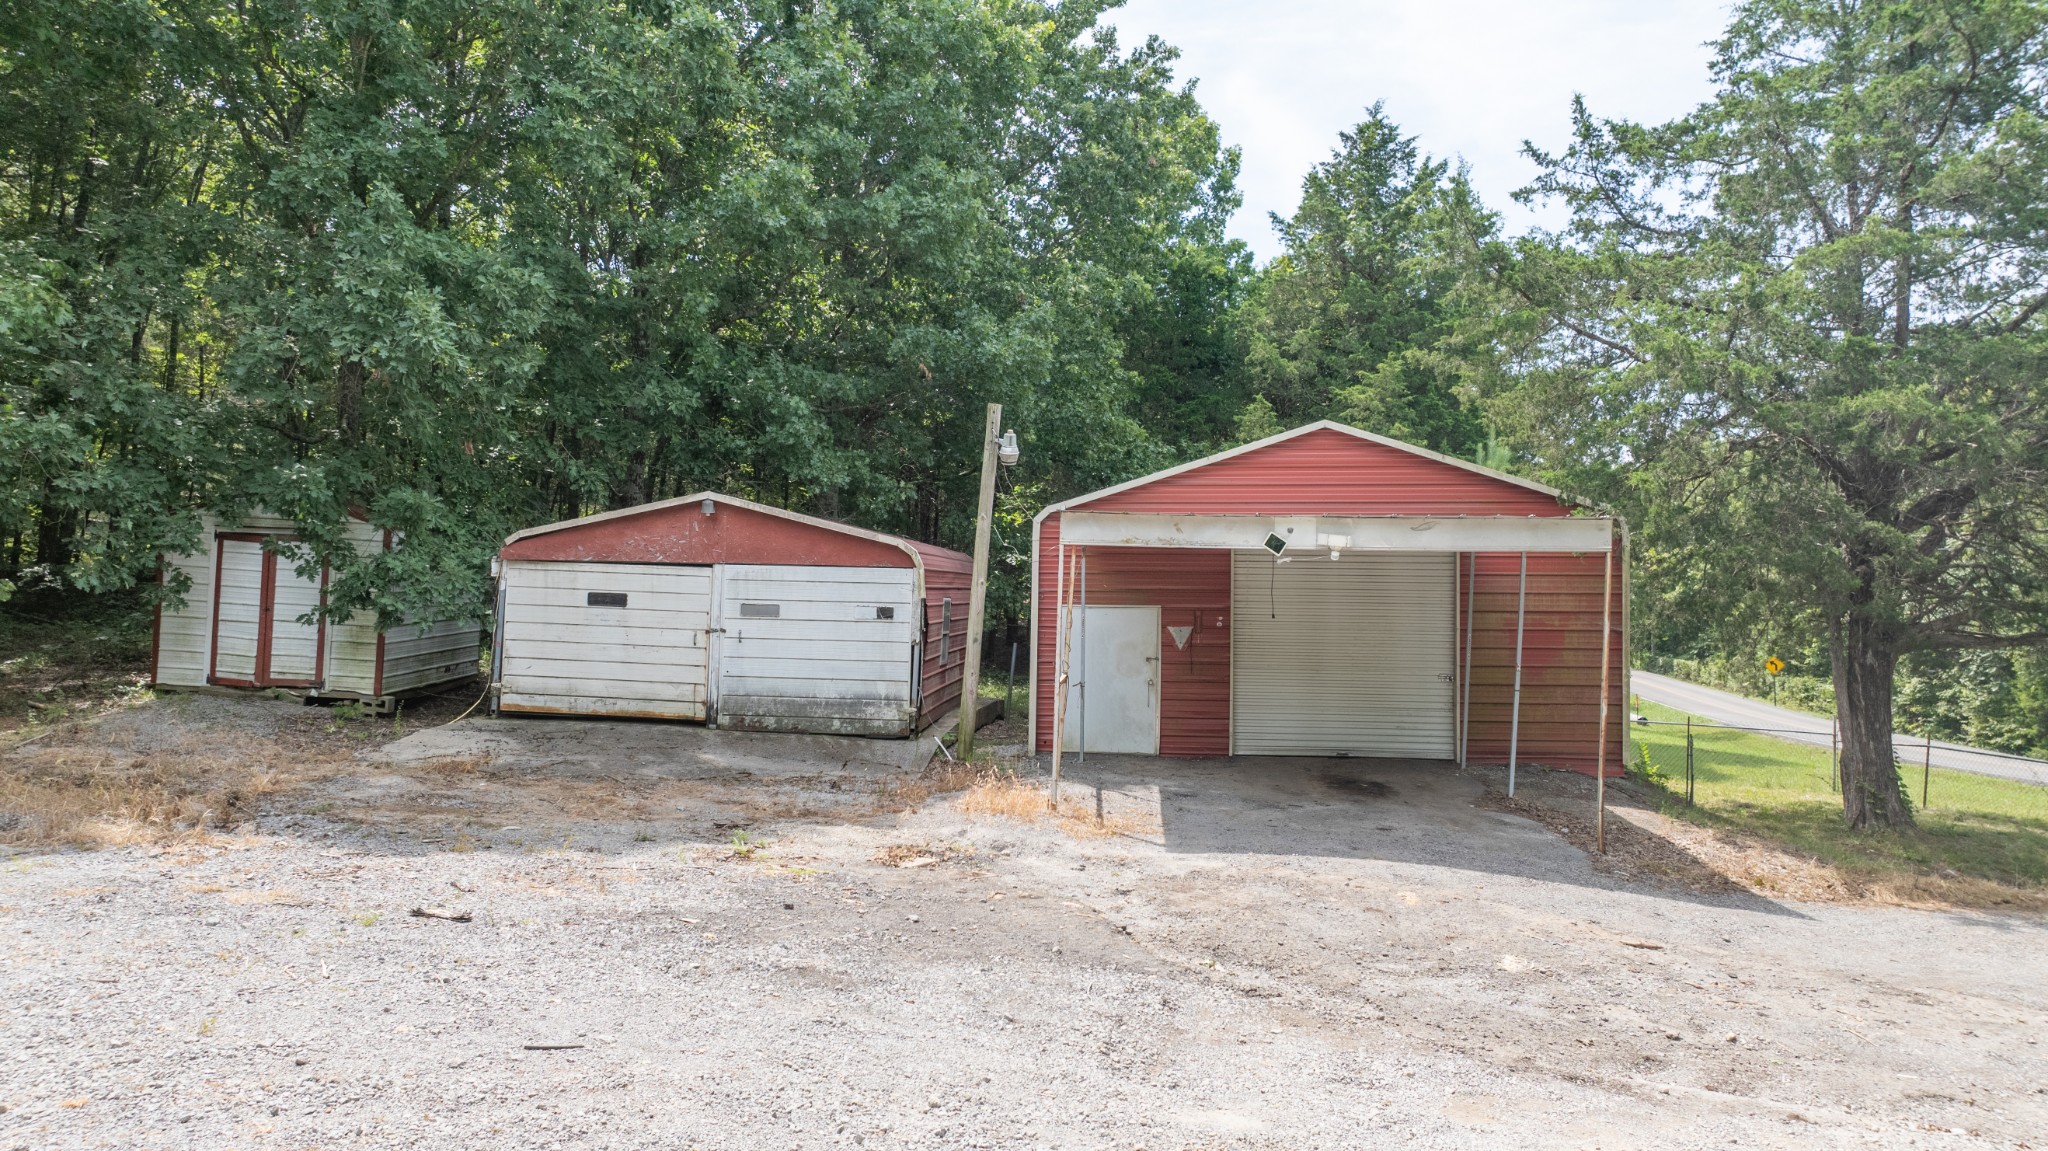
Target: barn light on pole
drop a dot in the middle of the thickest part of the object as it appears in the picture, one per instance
(996, 450)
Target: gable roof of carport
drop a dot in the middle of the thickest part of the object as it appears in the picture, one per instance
(1295, 433)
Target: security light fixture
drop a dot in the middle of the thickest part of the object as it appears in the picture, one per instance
(707, 507)
(1006, 449)
(1274, 543)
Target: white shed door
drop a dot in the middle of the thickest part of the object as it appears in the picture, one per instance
(606, 639)
(240, 616)
(294, 646)
(826, 649)
(1346, 657)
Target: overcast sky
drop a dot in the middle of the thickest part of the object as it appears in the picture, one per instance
(1470, 78)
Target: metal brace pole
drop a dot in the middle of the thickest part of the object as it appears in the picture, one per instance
(1515, 715)
(1465, 699)
(1606, 657)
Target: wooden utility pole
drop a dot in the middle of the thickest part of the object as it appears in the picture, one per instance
(977, 593)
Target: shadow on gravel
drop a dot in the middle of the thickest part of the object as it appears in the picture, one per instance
(1396, 811)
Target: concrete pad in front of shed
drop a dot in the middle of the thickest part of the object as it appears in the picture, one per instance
(1394, 810)
(613, 748)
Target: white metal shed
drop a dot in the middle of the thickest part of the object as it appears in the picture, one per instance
(250, 621)
(728, 612)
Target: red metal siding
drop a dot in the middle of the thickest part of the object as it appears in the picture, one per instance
(948, 575)
(683, 534)
(1191, 588)
(1560, 661)
(1327, 472)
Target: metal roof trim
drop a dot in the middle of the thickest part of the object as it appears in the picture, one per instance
(1319, 425)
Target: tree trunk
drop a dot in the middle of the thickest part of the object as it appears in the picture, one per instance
(348, 398)
(1866, 660)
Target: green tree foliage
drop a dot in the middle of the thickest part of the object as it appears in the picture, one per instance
(1356, 321)
(467, 266)
(1800, 334)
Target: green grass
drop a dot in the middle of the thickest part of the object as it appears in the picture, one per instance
(1975, 827)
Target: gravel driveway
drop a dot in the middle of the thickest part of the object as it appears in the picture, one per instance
(714, 951)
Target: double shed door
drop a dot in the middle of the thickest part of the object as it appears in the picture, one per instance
(772, 646)
(259, 597)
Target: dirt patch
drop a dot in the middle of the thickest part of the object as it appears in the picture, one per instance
(186, 769)
(96, 792)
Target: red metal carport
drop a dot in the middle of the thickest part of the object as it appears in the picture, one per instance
(1396, 618)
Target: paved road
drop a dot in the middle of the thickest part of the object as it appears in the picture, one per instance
(1803, 727)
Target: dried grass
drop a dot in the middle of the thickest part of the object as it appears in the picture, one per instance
(911, 855)
(1002, 795)
(940, 778)
(104, 793)
(457, 765)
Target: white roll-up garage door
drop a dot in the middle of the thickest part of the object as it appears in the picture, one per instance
(1347, 657)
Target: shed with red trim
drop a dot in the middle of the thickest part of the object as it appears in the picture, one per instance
(717, 609)
(1330, 592)
(251, 619)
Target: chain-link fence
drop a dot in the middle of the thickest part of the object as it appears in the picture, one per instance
(1704, 762)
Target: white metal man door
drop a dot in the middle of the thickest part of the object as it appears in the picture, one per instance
(1116, 701)
(1351, 657)
(606, 639)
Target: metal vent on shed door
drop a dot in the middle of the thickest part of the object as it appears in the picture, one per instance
(760, 611)
(605, 599)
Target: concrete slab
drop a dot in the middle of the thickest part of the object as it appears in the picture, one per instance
(1393, 810)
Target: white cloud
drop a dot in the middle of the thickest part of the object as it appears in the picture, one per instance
(1470, 78)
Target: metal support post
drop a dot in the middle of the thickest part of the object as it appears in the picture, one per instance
(1515, 714)
(1465, 696)
(1063, 658)
(1688, 760)
(1926, 770)
(1081, 746)
(1606, 653)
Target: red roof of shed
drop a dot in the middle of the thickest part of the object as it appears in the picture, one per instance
(741, 531)
(1328, 468)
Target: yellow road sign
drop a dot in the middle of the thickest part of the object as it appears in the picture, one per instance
(1774, 665)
